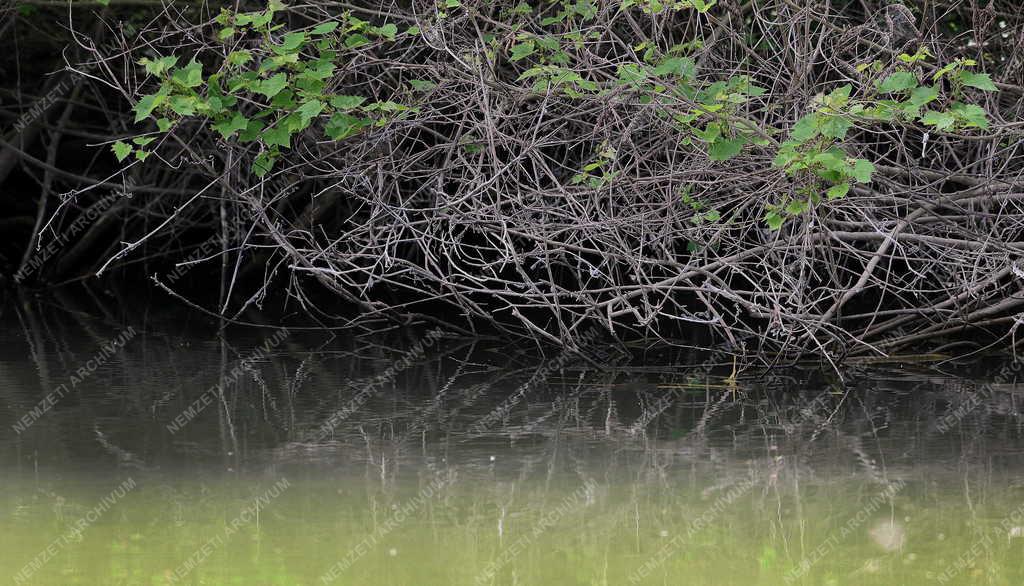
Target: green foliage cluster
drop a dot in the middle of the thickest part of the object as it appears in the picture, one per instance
(814, 146)
(269, 93)
(277, 87)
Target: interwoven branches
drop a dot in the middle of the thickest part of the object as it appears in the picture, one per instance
(533, 182)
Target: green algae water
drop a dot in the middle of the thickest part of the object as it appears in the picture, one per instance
(261, 458)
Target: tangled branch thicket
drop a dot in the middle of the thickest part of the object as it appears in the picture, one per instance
(550, 167)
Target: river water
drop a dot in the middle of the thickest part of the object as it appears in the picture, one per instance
(154, 452)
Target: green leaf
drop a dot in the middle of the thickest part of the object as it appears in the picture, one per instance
(805, 129)
(260, 19)
(278, 135)
(121, 150)
(347, 102)
(271, 86)
(832, 160)
(796, 207)
(163, 124)
(884, 110)
(294, 122)
(838, 191)
(724, 149)
(143, 140)
(710, 133)
(319, 70)
(521, 51)
(386, 106)
(158, 66)
(190, 75)
(147, 104)
(213, 105)
(944, 70)
(774, 220)
(184, 105)
(252, 131)
(532, 72)
(681, 66)
(311, 109)
(839, 97)
(357, 40)
(940, 120)
(290, 42)
(786, 155)
(982, 81)
(342, 126)
(862, 171)
(239, 58)
(324, 28)
(285, 99)
(452, 3)
(230, 126)
(897, 82)
(630, 73)
(263, 163)
(422, 85)
(388, 31)
(226, 33)
(970, 115)
(923, 95)
(141, 155)
(835, 127)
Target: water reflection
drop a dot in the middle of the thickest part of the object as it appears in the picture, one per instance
(411, 458)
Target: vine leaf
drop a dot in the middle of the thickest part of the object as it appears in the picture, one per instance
(838, 191)
(121, 150)
(970, 115)
(310, 110)
(981, 81)
(724, 149)
(897, 82)
(923, 95)
(388, 31)
(190, 75)
(940, 120)
(279, 135)
(232, 125)
(347, 102)
(273, 85)
(835, 127)
(862, 170)
(342, 126)
(263, 163)
(158, 66)
(147, 104)
(324, 28)
(290, 42)
(521, 51)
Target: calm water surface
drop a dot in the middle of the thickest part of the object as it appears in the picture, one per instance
(399, 459)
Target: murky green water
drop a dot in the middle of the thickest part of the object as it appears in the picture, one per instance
(368, 462)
